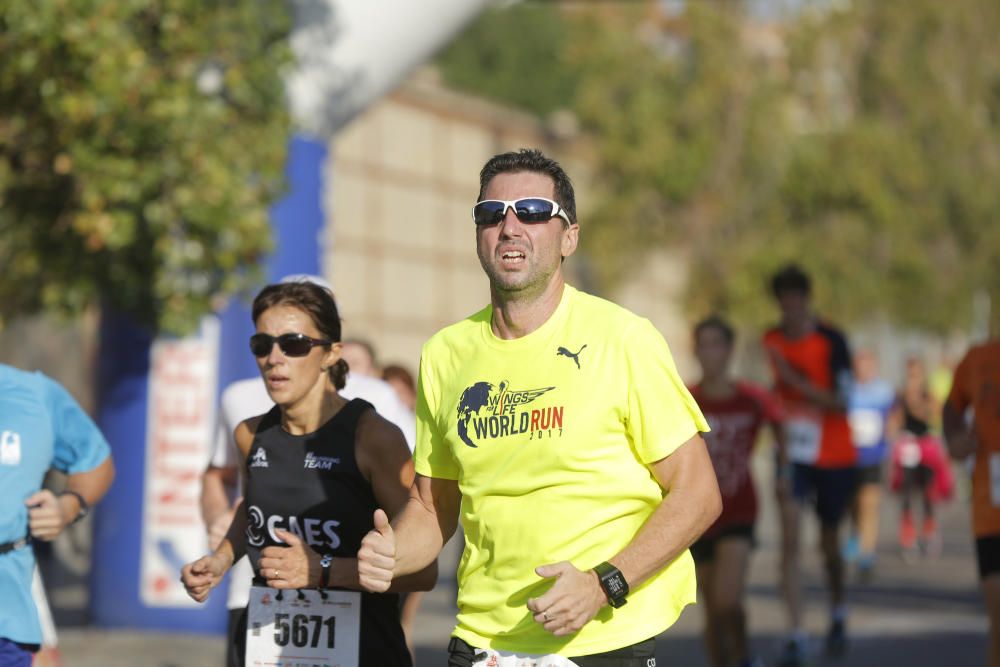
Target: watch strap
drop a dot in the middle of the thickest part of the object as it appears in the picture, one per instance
(84, 506)
(324, 570)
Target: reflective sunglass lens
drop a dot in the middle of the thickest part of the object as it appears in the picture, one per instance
(488, 212)
(533, 210)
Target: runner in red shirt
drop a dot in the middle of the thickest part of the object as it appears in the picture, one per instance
(735, 410)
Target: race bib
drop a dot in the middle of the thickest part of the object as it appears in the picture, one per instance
(995, 479)
(803, 431)
(910, 455)
(303, 628)
(866, 427)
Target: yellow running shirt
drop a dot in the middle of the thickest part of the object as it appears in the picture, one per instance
(548, 437)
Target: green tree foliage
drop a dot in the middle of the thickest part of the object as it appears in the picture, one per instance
(689, 145)
(860, 139)
(515, 55)
(897, 173)
(141, 142)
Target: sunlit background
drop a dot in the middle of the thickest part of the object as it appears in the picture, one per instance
(160, 160)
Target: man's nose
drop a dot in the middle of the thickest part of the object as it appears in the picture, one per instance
(510, 225)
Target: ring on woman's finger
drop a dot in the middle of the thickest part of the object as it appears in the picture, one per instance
(275, 573)
(545, 617)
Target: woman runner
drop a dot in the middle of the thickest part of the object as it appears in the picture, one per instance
(318, 466)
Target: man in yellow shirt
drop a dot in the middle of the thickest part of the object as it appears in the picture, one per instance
(554, 424)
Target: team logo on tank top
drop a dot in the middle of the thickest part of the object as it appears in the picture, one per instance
(314, 532)
(487, 412)
(259, 459)
(255, 526)
(314, 462)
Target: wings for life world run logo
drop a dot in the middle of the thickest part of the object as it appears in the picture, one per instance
(488, 411)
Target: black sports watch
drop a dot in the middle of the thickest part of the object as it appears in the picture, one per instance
(612, 583)
(324, 573)
(84, 507)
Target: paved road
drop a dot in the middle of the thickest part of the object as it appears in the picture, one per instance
(922, 614)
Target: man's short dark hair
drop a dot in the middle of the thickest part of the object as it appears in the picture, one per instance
(790, 278)
(531, 159)
(716, 322)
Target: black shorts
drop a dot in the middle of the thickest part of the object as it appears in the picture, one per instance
(236, 640)
(870, 474)
(236, 637)
(643, 654)
(703, 551)
(988, 555)
(830, 489)
(917, 477)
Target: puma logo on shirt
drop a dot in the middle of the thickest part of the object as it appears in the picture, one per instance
(575, 356)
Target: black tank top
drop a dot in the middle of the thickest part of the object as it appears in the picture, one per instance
(310, 485)
(912, 423)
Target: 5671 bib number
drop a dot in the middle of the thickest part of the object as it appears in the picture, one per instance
(297, 631)
(303, 628)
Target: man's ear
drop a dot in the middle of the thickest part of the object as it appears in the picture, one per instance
(570, 239)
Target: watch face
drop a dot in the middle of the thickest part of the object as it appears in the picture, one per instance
(615, 585)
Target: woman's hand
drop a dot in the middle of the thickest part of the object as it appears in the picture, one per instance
(292, 566)
(204, 574)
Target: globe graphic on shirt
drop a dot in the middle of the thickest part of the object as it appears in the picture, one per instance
(473, 400)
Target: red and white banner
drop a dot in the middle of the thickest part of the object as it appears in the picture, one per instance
(180, 426)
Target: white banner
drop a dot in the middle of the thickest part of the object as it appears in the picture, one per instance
(180, 426)
(350, 53)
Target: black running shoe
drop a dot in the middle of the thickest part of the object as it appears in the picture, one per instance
(836, 639)
(793, 655)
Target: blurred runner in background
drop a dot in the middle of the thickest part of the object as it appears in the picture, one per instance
(811, 363)
(920, 468)
(41, 427)
(735, 410)
(971, 419)
(871, 403)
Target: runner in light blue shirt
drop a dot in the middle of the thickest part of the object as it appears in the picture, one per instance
(41, 427)
(870, 404)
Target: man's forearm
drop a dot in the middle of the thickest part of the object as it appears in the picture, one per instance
(675, 525)
(420, 536)
(821, 398)
(690, 506)
(957, 433)
(344, 574)
(92, 484)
